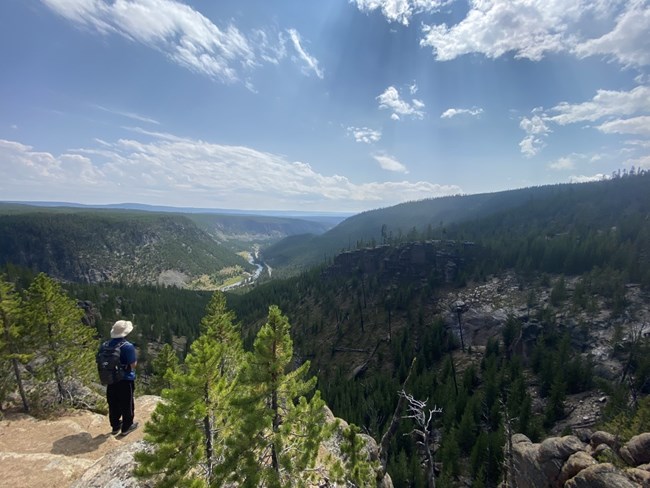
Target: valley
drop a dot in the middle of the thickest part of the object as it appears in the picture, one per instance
(528, 313)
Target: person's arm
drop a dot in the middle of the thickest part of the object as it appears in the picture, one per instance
(131, 357)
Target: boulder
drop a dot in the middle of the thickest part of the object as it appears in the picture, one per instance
(639, 476)
(576, 463)
(600, 476)
(553, 452)
(115, 470)
(637, 450)
(527, 470)
(601, 437)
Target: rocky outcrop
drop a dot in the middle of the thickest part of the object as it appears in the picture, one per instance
(603, 475)
(76, 450)
(413, 262)
(114, 470)
(568, 462)
(57, 452)
(637, 450)
(540, 465)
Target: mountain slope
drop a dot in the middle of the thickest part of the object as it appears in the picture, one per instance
(96, 246)
(240, 231)
(433, 218)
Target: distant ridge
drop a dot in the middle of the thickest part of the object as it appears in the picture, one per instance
(166, 208)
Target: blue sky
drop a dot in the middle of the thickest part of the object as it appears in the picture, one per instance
(337, 105)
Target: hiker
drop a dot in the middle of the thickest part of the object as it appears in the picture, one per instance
(120, 390)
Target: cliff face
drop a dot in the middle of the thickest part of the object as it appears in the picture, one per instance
(568, 462)
(413, 262)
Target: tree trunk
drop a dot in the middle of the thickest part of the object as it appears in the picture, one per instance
(19, 382)
(275, 464)
(207, 430)
(14, 363)
(58, 376)
(460, 330)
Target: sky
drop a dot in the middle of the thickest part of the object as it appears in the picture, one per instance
(317, 105)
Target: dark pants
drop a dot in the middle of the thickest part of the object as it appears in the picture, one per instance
(120, 404)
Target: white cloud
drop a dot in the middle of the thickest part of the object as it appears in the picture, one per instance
(641, 162)
(639, 143)
(390, 99)
(528, 28)
(130, 115)
(562, 164)
(532, 28)
(310, 62)
(605, 103)
(183, 34)
(167, 169)
(635, 125)
(413, 88)
(364, 134)
(399, 10)
(389, 163)
(588, 179)
(628, 42)
(536, 130)
(453, 112)
(611, 108)
(531, 146)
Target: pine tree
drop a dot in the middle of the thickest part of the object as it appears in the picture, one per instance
(190, 427)
(66, 343)
(356, 471)
(12, 335)
(164, 365)
(281, 430)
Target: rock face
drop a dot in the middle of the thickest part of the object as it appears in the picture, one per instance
(567, 462)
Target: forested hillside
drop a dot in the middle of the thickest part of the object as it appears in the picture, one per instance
(545, 211)
(99, 246)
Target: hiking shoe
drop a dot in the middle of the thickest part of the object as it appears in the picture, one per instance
(131, 428)
(117, 429)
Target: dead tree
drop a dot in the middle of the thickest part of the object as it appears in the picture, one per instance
(458, 308)
(392, 427)
(423, 431)
(509, 469)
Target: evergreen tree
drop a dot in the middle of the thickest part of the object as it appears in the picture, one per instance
(281, 430)
(190, 427)
(67, 344)
(11, 336)
(356, 471)
(164, 365)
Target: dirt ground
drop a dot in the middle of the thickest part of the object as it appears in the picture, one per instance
(54, 453)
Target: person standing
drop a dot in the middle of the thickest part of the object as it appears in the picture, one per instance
(121, 405)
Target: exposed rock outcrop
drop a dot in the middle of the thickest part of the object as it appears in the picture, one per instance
(603, 475)
(567, 462)
(637, 450)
